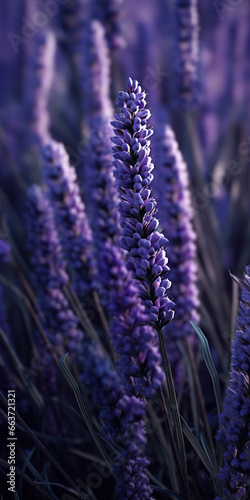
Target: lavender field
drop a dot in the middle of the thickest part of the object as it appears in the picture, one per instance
(125, 250)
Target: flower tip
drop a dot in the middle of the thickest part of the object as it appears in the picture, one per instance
(247, 273)
(130, 83)
(133, 85)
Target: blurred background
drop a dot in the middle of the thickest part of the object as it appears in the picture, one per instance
(193, 60)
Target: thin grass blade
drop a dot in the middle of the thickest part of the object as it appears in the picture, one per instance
(210, 366)
(175, 412)
(75, 388)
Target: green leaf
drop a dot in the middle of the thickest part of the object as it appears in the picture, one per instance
(196, 445)
(210, 366)
(216, 484)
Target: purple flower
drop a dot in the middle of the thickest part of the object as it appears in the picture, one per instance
(176, 215)
(122, 416)
(39, 77)
(100, 190)
(49, 272)
(94, 67)
(133, 172)
(109, 13)
(187, 43)
(234, 432)
(70, 215)
(102, 198)
(139, 360)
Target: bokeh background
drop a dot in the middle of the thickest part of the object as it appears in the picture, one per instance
(193, 61)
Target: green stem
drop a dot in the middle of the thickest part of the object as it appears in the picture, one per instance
(175, 411)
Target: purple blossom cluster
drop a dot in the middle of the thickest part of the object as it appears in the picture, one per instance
(94, 71)
(133, 338)
(100, 192)
(176, 214)
(234, 431)
(119, 238)
(122, 416)
(140, 238)
(139, 360)
(70, 215)
(49, 272)
(109, 12)
(39, 76)
(187, 56)
(106, 389)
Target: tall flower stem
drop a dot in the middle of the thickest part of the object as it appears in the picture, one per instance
(145, 245)
(172, 403)
(70, 216)
(200, 398)
(187, 51)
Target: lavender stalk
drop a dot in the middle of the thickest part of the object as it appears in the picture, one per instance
(234, 432)
(94, 67)
(176, 216)
(139, 359)
(187, 52)
(146, 247)
(109, 12)
(100, 191)
(70, 215)
(123, 424)
(122, 415)
(49, 275)
(38, 85)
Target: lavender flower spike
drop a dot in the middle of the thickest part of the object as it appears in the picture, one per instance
(70, 215)
(94, 67)
(109, 12)
(122, 416)
(145, 245)
(187, 51)
(176, 214)
(49, 272)
(39, 78)
(234, 432)
(139, 360)
(100, 193)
